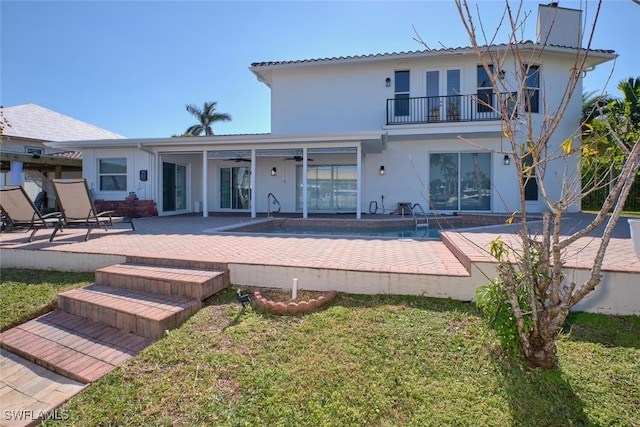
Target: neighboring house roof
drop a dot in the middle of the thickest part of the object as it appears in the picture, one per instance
(262, 69)
(76, 155)
(30, 121)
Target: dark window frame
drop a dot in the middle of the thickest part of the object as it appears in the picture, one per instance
(531, 193)
(532, 96)
(484, 91)
(402, 86)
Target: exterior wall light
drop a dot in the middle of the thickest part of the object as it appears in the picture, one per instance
(387, 82)
(381, 170)
(274, 171)
(507, 160)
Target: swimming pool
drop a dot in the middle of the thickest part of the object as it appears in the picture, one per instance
(404, 229)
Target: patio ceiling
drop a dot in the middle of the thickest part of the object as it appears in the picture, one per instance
(277, 152)
(40, 162)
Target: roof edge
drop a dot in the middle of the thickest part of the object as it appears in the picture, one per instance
(527, 44)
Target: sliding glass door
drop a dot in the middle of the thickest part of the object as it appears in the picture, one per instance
(174, 187)
(460, 181)
(235, 188)
(330, 188)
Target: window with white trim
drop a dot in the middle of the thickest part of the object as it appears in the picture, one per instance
(112, 174)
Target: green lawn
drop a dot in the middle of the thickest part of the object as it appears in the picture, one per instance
(366, 361)
(26, 294)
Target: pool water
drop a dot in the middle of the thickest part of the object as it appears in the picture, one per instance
(381, 232)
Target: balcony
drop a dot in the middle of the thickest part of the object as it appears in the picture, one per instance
(444, 109)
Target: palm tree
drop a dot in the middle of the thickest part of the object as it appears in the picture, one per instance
(626, 111)
(206, 117)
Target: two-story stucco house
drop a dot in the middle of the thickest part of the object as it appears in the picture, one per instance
(354, 134)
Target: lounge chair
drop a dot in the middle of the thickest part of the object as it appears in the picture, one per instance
(19, 212)
(78, 209)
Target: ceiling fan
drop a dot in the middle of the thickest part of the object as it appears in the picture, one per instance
(297, 158)
(238, 160)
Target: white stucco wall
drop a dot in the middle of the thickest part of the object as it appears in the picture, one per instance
(330, 97)
(136, 160)
(406, 177)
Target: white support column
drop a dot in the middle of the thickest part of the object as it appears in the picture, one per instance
(15, 176)
(358, 182)
(305, 189)
(205, 181)
(253, 183)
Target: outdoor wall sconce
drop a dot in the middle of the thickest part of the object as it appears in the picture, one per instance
(387, 82)
(381, 170)
(507, 160)
(274, 171)
(501, 74)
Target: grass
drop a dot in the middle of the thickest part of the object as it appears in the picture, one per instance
(366, 361)
(26, 294)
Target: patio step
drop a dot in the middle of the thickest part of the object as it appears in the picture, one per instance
(100, 326)
(178, 263)
(145, 314)
(72, 346)
(179, 282)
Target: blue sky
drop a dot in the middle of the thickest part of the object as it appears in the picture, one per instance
(132, 66)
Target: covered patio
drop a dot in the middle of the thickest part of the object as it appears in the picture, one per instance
(237, 173)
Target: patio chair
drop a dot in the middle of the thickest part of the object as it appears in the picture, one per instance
(78, 209)
(19, 212)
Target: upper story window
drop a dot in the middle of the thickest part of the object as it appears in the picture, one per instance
(532, 99)
(485, 90)
(113, 174)
(401, 87)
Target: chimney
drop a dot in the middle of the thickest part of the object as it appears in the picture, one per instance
(559, 26)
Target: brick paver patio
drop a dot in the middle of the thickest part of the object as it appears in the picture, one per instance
(192, 237)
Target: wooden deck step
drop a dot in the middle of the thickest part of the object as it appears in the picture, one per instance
(144, 314)
(164, 280)
(72, 346)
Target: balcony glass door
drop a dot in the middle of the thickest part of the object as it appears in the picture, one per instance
(443, 95)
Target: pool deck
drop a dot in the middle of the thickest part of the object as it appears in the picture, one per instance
(450, 267)
(196, 238)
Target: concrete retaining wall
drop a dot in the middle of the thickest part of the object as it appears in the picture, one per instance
(356, 282)
(618, 293)
(58, 261)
